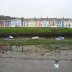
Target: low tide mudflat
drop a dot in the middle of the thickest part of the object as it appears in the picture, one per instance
(27, 55)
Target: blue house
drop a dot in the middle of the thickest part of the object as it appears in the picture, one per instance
(7, 23)
(60, 22)
(44, 22)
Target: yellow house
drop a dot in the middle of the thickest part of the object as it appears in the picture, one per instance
(52, 22)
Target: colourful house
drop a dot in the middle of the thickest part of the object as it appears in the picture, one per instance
(7, 23)
(39, 23)
(67, 23)
(45, 22)
(52, 22)
(31, 23)
(1, 23)
(16, 23)
(60, 22)
(70, 22)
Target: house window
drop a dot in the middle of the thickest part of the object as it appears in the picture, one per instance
(53, 24)
(69, 25)
(41, 24)
(62, 24)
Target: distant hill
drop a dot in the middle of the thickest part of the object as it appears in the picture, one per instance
(2, 17)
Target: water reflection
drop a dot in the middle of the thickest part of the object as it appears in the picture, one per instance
(11, 48)
(24, 49)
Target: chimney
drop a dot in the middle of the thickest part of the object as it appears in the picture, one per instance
(63, 18)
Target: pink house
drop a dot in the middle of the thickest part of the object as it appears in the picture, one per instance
(38, 23)
(1, 23)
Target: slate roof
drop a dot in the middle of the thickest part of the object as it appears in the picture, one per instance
(47, 19)
(65, 19)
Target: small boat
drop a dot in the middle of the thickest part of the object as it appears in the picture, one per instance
(10, 37)
(36, 37)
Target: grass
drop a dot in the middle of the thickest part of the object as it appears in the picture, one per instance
(32, 29)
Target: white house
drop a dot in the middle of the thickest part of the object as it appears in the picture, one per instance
(16, 23)
(31, 23)
(67, 23)
(45, 22)
(70, 23)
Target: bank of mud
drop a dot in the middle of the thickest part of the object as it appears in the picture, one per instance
(36, 52)
(40, 34)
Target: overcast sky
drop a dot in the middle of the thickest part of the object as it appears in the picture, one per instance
(36, 8)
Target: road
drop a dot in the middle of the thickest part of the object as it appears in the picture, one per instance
(33, 65)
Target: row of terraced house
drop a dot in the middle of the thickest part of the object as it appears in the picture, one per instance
(37, 22)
